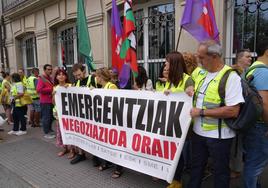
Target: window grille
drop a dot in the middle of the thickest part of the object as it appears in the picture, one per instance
(29, 53)
(155, 35)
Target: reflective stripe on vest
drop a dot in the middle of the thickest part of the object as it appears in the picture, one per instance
(180, 87)
(211, 97)
(31, 90)
(88, 82)
(14, 93)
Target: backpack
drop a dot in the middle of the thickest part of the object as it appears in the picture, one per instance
(250, 111)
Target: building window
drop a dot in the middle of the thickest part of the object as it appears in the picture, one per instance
(155, 35)
(29, 53)
(67, 48)
(248, 20)
(250, 23)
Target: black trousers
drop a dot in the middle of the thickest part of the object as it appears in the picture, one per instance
(219, 151)
(19, 118)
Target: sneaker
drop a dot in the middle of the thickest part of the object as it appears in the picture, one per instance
(19, 133)
(48, 136)
(78, 159)
(12, 132)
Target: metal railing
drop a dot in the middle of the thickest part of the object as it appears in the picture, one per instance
(155, 34)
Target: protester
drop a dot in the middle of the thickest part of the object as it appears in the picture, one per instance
(211, 136)
(104, 79)
(114, 76)
(19, 109)
(22, 77)
(191, 66)
(45, 88)
(242, 62)
(61, 80)
(35, 108)
(82, 80)
(190, 62)
(142, 82)
(5, 96)
(255, 140)
(162, 79)
(177, 81)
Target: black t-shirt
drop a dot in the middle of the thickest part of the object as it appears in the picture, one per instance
(83, 82)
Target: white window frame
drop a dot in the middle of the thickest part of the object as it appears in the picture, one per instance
(24, 57)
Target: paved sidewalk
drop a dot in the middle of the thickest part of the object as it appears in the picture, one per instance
(11, 179)
(33, 160)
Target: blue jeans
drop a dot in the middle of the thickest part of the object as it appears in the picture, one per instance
(46, 117)
(256, 154)
(219, 151)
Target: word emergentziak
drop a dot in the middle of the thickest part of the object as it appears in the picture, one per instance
(163, 120)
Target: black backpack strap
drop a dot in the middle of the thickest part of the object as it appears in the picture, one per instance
(222, 85)
(221, 91)
(252, 68)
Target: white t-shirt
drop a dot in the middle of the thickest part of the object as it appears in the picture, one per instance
(233, 96)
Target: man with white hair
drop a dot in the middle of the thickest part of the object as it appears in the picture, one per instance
(211, 135)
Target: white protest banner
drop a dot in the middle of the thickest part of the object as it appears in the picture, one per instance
(141, 130)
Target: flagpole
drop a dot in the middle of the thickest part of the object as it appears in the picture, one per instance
(178, 40)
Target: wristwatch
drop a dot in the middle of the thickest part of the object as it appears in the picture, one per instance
(201, 113)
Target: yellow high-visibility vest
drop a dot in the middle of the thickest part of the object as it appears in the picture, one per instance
(211, 99)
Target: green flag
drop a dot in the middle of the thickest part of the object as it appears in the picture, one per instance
(83, 36)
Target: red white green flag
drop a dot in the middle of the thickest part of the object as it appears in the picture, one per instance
(128, 48)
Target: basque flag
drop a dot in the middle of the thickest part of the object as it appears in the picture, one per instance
(116, 38)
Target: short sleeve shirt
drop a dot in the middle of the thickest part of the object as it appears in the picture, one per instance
(232, 98)
(260, 80)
